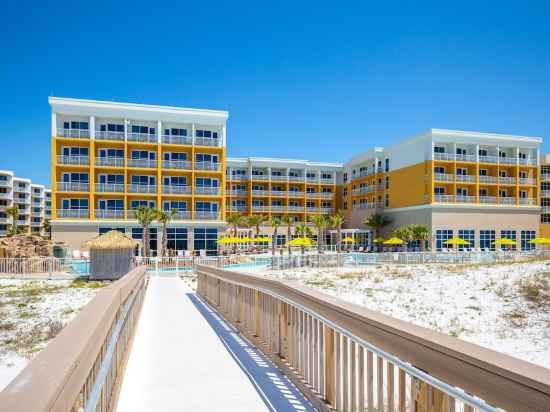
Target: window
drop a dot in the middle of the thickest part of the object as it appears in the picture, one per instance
(482, 152)
(387, 167)
(180, 206)
(483, 172)
(111, 204)
(206, 182)
(461, 151)
(111, 127)
(137, 233)
(143, 154)
(175, 156)
(461, 191)
(483, 192)
(116, 153)
(75, 151)
(103, 230)
(206, 133)
(75, 177)
(545, 218)
(522, 155)
(522, 194)
(439, 170)
(441, 235)
(111, 179)
(326, 176)
(75, 204)
(134, 204)
(205, 239)
(523, 174)
(487, 239)
(526, 236)
(387, 182)
(75, 125)
(206, 157)
(175, 132)
(143, 180)
(461, 171)
(502, 173)
(438, 190)
(143, 129)
(503, 193)
(508, 234)
(176, 238)
(310, 175)
(206, 206)
(468, 235)
(174, 181)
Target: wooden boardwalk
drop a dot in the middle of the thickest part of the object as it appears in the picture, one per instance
(186, 358)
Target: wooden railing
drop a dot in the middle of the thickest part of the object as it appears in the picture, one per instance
(347, 358)
(80, 368)
(25, 266)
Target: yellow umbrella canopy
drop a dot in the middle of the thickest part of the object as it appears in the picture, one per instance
(393, 241)
(505, 241)
(456, 241)
(348, 239)
(378, 240)
(540, 241)
(262, 239)
(300, 241)
(224, 241)
(244, 240)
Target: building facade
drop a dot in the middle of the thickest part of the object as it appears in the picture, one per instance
(32, 200)
(110, 158)
(478, 186)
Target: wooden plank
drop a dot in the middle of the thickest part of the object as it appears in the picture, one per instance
(380, 382)
(353, 377)
(330, 370)
(345, 373)
(390, 386)
(402, 391)
(370, 380)
(322, 364)
(337, 341)
(361, 378)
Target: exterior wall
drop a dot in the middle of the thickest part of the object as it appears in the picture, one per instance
(74, 234)
(409, 186)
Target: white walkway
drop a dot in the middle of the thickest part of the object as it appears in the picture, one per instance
(185, 358)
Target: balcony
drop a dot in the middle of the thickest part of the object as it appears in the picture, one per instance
(142, 163)
(465, 178)
(279, 178)
(207, 166)
(444, 156)
(36, 214)
(109, 135)
(444, 177)
(527, 181)
(73, 213)
(168, 139)
(260, 208)
(109, 187)
(527, 201)
(204, 215)
(176, 190)
(488, 199)
(465, 199)
(507, 200)
(295, 208)
(545, 177)
(326, 180)
(487, 179)
(74, 133)
(320, 195)
(260, 177)
(142, 137)
(239, 193)
(260, 193)
(109, 214)
(73, 187)
(465, 158)
(22, 189)
(295, 193)
(545, 193)
(207, 190)
(73, 160)
(530, 162)
(504, 180)
(5, 183)
(545, 209)
(507, 160)
(278, 193)
(137, 188)
(237, 208)
(296, 178)
(22, 222)
(182, 215)
(326, 210)
(110, 161)
(177, 164)
(207, 141)
(364, 205)
(488, 159)
(5, 195)
(238, 178)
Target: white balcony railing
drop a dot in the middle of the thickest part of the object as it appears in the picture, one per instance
(488, 159)
(326, 210)
(238, 178)
(260, 208)
(142, 163)
(277, 178)
(239, 208)
(278, 193)
(444, 198)
(296, 178)
(177, 139)
(505, 180)
(73, 160)
(293, 193)
(109, 214)
(487, 179)
(326, 180)
(205, 190)
(110, 161)
(5, 195)
(182, 215)
(527, 201)
(465, 158)
(532, 162)
(260, 177)
(465, 178)
(488, 199)
(507, 200)
(142, 137)
(545, 177)
(176, 189)
(444, 156)
(176, 164)
(260, 193)
(239, 193)
(136, 188)
(109, 187)
(508, 160)
(444, 177)
(74, 133)
(109, 135)
(207, 166)
(73, 213)
(527, 181)
(207, 141)
(545, 193)
(465, 199)
(545, 209)
(73, 186)
(204, 215)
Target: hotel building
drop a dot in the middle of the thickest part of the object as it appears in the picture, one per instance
(32, 200)
(110, 158)
(478, 186)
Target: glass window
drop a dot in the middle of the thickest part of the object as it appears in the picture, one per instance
(526, 236)
(176, 238)
(205, 239)
(508, 234)
(468, 235)
(441, 235)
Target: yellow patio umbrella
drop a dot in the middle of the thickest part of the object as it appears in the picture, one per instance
(505, 241)
(378, 240)
(348, 239)
(393, 241)
(245, 239)
(224, 241)
(456, 241)
(540, 241)
(300, 241)
(262, 239)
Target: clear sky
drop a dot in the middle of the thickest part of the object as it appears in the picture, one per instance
(310, 80)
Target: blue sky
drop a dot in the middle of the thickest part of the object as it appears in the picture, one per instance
(310, 80)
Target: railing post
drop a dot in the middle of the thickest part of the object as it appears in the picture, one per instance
(257, 310)
(330, 372)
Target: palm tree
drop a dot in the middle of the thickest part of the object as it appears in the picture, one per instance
(255, 221)
(420, 233)
(274, 222)
(321, 223)
(47, 228)
(405, 234)
(302, 230)
(235, 220)
(288, 221)
(145, 216)
(164, 217)
(13, 211)
(376, 221)
(336, 222)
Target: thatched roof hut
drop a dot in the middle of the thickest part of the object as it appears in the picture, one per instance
(111, 255)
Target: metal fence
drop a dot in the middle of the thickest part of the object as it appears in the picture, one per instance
(346, 358)
(85, 361)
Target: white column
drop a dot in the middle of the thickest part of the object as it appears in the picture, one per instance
(224, 136)
(193, 134)
(92, 127)
(517, 155)
(477, 153)
(159, 131)
(126, 125)
(54, 124)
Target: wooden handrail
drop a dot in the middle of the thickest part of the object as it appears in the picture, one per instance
(341, 331)
(61, 377)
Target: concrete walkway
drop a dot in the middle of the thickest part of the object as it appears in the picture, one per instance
(186, 358)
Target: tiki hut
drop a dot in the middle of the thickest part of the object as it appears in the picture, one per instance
(111, 255)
